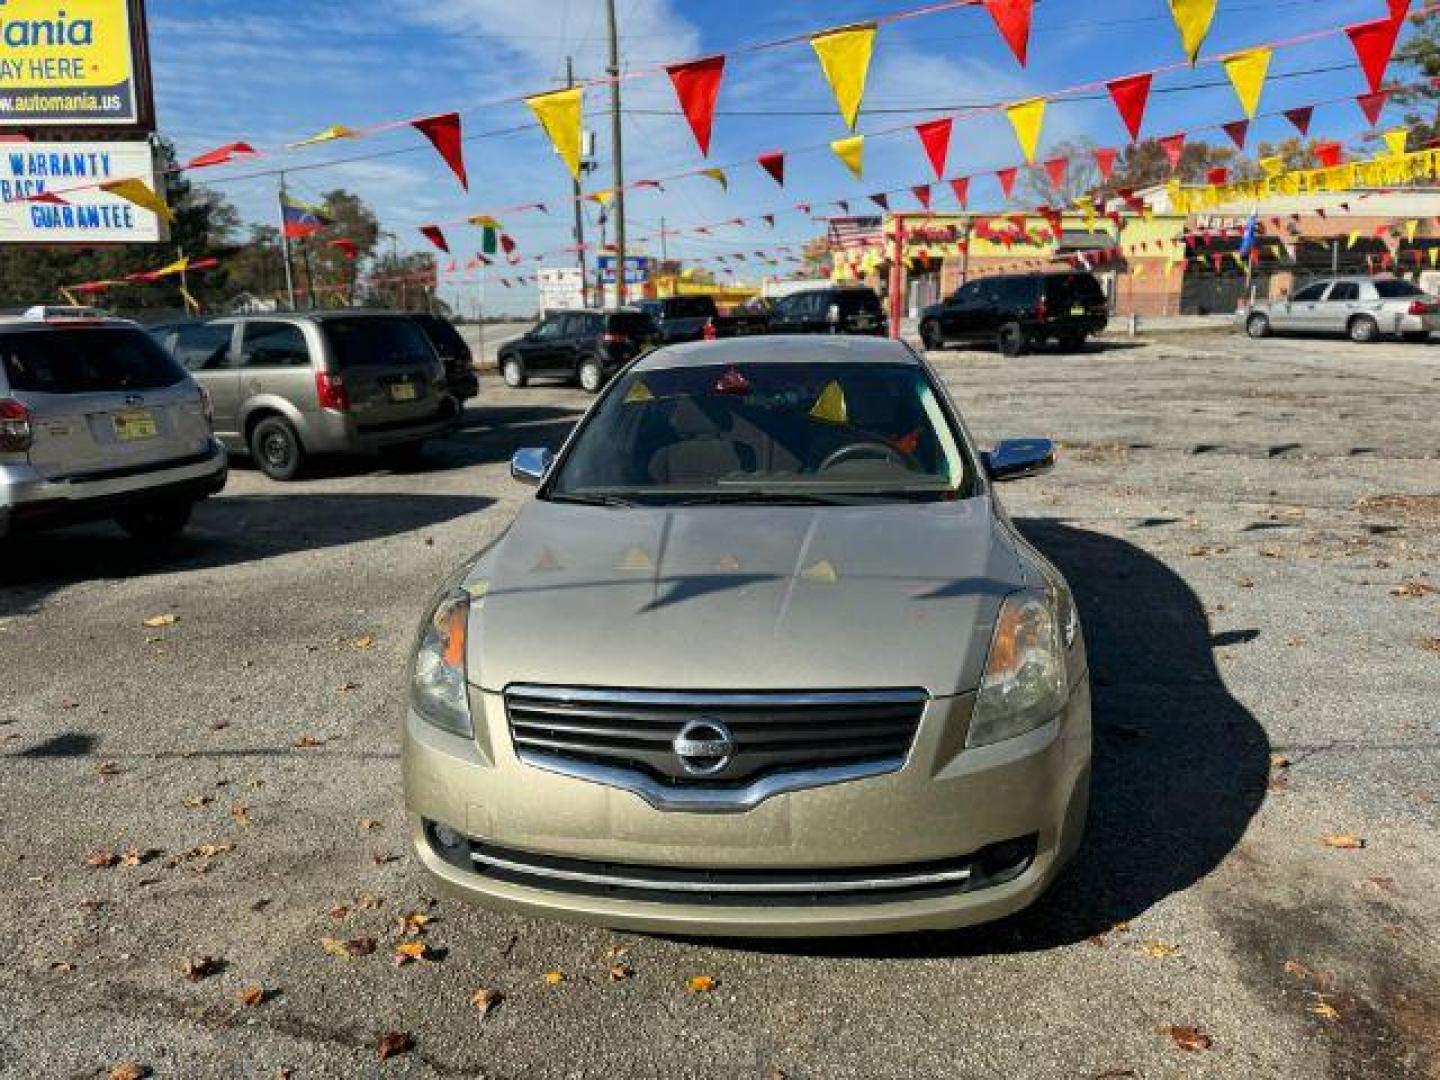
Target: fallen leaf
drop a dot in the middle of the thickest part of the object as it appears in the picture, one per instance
(62, 967)
(486, 999)
(414, 949)
(128, 1070)
(346, 687)
(1343, 841)
(554, 978)
(1431, 644)
(338, 912)
(699, 984)
(154, 622)
(1190, 1039)
(393, 1044)
(1413, 589)
(359, 946)
(1384, 884)
(380, 858)
(307, 741)
(241, 813)
(194, 802)
(414, 922)
(251, 995)
(101, 860)
(1324, 1010)
(364, 643)
(368, 823)
(1297, 969)
(201, 967)
(108, 768)
(1279, 761)
(1158, 949)
(207, 851)
(621, 972)
(132, 856)
(368, 902)
(1246, 583)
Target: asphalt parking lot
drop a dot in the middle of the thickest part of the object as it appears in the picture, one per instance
(1252, 530)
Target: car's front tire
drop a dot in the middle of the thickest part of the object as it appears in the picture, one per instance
(1257, 326)
(930, 336)
(1364, 330)
(1012, 341)
(156, 521)
(276, 448)
(513, 372)
(591, 375)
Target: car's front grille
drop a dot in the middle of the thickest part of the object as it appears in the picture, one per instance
(713, 740)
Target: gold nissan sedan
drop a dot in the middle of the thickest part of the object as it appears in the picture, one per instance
(763, 656)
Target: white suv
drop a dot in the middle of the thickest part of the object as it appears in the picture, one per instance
(96, 421)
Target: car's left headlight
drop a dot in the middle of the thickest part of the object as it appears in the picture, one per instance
(1025, 684)
(438, 681)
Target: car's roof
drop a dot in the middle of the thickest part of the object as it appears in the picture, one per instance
(9, 324)
(781, 349)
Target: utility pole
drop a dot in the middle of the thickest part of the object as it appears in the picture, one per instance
(617, 150)
(664, 245)
(285, 247)
(579, 205)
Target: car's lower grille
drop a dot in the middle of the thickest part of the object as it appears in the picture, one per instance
(816, 887)
(713, 740)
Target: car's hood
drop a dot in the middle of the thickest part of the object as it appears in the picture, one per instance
(734, 598)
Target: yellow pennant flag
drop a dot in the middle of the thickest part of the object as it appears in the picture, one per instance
(845, 59)
(1193, 19)
(718, 175)
(851, 151)
(1434, 255)
(484, 221)
(330, 134)
(1351, 239)
(559, 113)
(179, 266)
(139, 193)
(1272, 166)
(1247, 71)
(604, 198)
(1410, 228)
(1397, 139)
(1026, 117)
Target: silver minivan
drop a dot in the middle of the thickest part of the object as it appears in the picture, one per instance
(289, 386)
(97, 422)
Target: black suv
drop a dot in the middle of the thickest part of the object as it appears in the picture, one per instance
(1018, 312)
(587, 346)
(460, 374)
(853, 310)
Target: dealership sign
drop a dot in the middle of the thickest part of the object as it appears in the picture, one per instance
(637, 269)
(81, 213)
(78, 63)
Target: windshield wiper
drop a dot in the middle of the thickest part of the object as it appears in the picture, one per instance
(757, 498)
(578, 499)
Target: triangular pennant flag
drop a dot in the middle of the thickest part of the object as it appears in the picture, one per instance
(1027, 117)
(1272, 166)
(1372, 105)
(1130, 95)
(1374, 44)
(1396, 140)
(435, 236)
(843, 205)
(221, 156)
(1007, 179)
(1217, 176)
(1434, 255)
(718, 175)
(851, 151)
(443, 131)
(1105, 161)
(881, 200)
(1411, 227)
(560, 114)
(697, 85)
(1352, 239)
(922, 195)
(330, 134)
(178, 266)
(1301, 118)
(1239, 131)
(935, 137)
(139, 193)
(1012, 19)
(769, 219)
(1056, 169)
(1399, 9)
(845, 59)
(1193, 19)
(774, 164)
(1247, 71)
(1174, 147)
(961, 188)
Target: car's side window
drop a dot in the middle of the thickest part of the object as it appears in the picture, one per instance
(1310, 293)
(1345, 290)
(550, 328)
(966, 294)
(203, 347)
(273, 345)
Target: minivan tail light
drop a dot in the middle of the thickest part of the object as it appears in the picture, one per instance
(330, 389)
(16, 434)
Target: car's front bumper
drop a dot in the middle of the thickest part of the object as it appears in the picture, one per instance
(945, 803)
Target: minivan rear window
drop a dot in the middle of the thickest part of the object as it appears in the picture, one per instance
(87, 360)
(377, 343)
(442, 335)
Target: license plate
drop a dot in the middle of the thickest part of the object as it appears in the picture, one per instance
(1077, 310)
(402, 392)
(139, 424)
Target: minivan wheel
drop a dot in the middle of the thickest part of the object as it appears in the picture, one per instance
(1012, 340)
(930, 336)
(1257, 326)
(514, 373)
(276, 449)
(592, 376)
(1364, 329)
(158, 521)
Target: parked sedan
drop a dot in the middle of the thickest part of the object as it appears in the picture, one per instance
(1363, 308)
(763, 656)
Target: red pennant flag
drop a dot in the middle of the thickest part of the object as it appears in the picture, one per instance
(922, 194)
(1239, 131)
(444, 134)
(1130, 95)
(1056, 169)
(697, 85)
(774, 164)
(1012, 19)
(881, 200)
(1174, 147)
(435, 236)
(1105, 161)
(1007, 179)
(1399, 9)
(347, 246)
(935, 136)
(803, 207)
(1217, 176)
(209, 263)
(1327, 153)
(221, 156)
(1301, 118)
(49, 198)
(1374, 44)
(1372, 105)
(961, 187)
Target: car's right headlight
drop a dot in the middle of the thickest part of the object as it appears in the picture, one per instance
(1024, 685)
(438, 681)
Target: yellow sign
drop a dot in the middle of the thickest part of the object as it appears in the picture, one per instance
(70, 62)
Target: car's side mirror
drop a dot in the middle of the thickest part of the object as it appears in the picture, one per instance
(1015, 459)
(529, 466)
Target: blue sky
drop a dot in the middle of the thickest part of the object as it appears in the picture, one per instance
(272, 71)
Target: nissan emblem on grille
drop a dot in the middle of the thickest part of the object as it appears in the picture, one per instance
(704, 747)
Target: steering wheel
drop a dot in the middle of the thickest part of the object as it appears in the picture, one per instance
(863, 449)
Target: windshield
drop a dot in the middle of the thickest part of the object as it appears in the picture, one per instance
(807, 432)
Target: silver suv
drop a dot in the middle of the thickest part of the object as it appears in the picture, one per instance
(97, 422)
(289, 386)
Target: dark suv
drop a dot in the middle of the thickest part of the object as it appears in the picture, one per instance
(854, 310)
(460, 374)
(587, 346)
(1018, 312)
